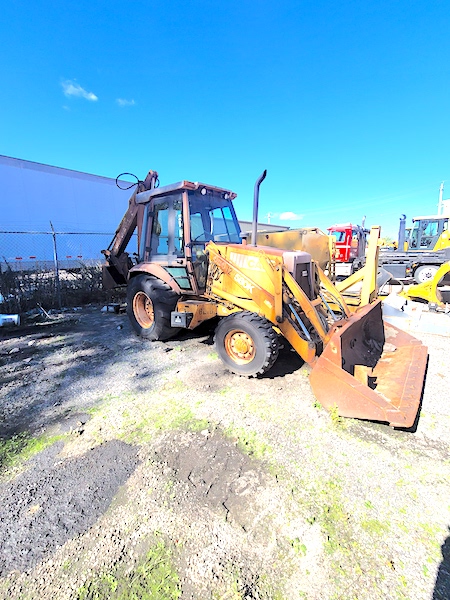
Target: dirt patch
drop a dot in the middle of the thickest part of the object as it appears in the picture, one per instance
(54, 501)
(217, 472)
(254, 489)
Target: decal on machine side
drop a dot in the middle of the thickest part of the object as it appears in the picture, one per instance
(246, 261)
(243, 282)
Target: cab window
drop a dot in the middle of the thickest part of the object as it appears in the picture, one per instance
(429, 233)
(339, 235)
(167, 227)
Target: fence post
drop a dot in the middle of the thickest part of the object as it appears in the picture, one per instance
(55, 257)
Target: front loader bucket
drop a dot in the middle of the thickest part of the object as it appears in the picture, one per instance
(371, 370)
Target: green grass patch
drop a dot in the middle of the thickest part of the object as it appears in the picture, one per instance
(21, 447)
(226, 390)
(374, 526)
(154, 578)
(336, 419)
(171, 416)
(299, 547)
(333, 517)
(249, 442)
(137, 419)
(237, 586)
(175, 385)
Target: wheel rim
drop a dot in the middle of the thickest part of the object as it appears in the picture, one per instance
(240, 346)
(427, 274)
(143, 310)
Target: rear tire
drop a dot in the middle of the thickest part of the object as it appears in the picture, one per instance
(149, 304)
(246, 343)
(425, 273)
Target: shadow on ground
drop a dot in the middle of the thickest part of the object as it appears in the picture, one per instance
(53, 502)
(442, 585)
(42, 363)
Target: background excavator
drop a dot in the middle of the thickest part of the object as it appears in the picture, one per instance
(421, 249)
(192, 265)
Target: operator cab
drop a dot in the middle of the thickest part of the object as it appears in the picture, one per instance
(426, 232)
(179, 220)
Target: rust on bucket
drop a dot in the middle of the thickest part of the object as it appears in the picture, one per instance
(371, 370)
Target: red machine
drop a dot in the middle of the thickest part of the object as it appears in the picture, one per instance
(350, 247)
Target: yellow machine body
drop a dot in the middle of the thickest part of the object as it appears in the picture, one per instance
(430, 291)
(361, 366)
(190, 268)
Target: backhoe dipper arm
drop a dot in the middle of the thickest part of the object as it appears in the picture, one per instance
(115, 271)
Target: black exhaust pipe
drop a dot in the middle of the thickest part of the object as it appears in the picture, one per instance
(255, 206)
(402, 234)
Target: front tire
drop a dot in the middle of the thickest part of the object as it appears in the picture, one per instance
(246, 343)
(425, 273)
(149, 304)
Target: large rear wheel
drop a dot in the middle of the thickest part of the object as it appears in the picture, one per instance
(149, 304)
(246, 343)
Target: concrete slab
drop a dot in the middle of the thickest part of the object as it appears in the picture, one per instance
(415, 316)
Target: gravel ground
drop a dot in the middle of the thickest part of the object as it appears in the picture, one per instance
(253, 488)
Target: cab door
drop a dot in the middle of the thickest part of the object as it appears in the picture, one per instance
(163, 242)
(425, 234)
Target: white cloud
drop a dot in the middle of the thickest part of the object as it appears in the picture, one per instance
(71, 88)
(124, 102)
(290, 216)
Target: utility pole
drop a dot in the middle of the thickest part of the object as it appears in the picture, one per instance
(440, 203)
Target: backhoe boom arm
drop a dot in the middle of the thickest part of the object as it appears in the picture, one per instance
(115, 272)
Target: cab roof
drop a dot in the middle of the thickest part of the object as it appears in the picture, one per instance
(143, 197)
(431, 218)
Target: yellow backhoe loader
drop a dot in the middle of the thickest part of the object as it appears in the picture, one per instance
(192, 265)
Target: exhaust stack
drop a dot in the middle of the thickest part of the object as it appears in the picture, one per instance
(255, 206)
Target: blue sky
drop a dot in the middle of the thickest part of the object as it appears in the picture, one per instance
(346, 104)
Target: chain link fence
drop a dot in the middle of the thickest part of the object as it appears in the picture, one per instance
(49, 269)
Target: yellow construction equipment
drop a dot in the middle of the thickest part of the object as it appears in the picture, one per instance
(421, 252)
(192, 266)
(430, 290)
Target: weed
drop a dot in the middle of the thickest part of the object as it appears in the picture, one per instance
(134, 420)
(298, 547)
(21, 447)
(428, 534)
(175, 385)
(82, 284)
(336, 419)
(226, 390)
(403, 527)
(154, 578)
(374, 526)
(249, 442)
(238, 586)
